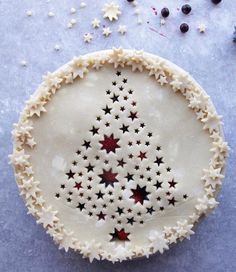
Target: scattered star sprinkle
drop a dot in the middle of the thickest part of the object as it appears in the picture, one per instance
(163, 21)
(202, 28)
(88, 37)
(51, 14)
(23, 63)
(95, 23)
(122, 29)
(106, 31)
(111, 11)
(83, 5)
(29, 13)
(137, 11)
(57, 47)
(72, 10)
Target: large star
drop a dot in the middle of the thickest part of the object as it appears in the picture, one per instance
(108, 178)
(119, 235)
(139, 194)
(109, 143)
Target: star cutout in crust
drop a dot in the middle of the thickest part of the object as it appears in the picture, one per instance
(109, 143)
(108, 178)
(139, 194)
(119, 235)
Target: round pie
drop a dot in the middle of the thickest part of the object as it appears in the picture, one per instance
(118, 154)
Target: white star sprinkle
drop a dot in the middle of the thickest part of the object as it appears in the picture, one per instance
(88, 37)
(29, 13)
(83, 5)
(122, 29)
(57, 47)
(72, 10)
(106, 31)
(202, 28)
(51, 14)
(47, 217)
(23, 63)
(162, 21)
(95, 23)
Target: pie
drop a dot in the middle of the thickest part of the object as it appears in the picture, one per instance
(118, 154)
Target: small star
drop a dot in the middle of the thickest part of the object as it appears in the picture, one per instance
(158, 184)
(86, 144)
(142, 155)
(129, 177)
(120, 210)
(107, 110)
(158, 161)
(90, 168)
(124, 128)
(133, 115)
(185, 196)
(130, 221)
(150, 210)
(114, 98)
(118, 73)
(172, 201)
(121, 163)
(70, 174)
(114, 83)
(81, 206)
(117, 117)
(149, 134)
(122, 108)
(95, 23)
(122, 29)
(100, 195)
(106, 31)
(121, 88)
(78, 185)
(94, 130)
(202, 28)
(88, 37)
(125, 80)
(101, 216)
(172, 183)
(168, 169)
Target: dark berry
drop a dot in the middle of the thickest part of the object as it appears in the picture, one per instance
(216, 2)
(234, 35)
(184, 28)
(130, 1)
(165, 12)
(186, 9)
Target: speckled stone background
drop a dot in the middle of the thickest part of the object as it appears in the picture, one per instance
(209, 57)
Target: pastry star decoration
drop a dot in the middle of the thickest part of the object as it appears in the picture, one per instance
(176, 84)
(19, 158)
(35, 106)
(91, 250)
(52, 81)
(212, 176)
(212, 122)
(47, 217)
(29, 188)
(122, 252)
(66, 241)
(198, 101)
(202, 28)
(111, 11)
(80, 67)
(184, 229)
(116, 57)
(158, 242)
(206, 203)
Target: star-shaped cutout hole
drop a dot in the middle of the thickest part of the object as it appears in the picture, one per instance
(78, 185)
(142, 155)
(109, 143)
(139, 194)
(120, 235)
(70, 174)
(108, 178)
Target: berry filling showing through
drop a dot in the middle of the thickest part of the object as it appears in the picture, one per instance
(118, 173)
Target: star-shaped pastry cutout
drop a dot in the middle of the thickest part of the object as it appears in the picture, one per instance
(95, 23)
(111, 11)
(88, 37)
(139, 194)
(120, 235)
(122, 29)
(109, 143)
(106, 31)
(142, 155)
(108, 178)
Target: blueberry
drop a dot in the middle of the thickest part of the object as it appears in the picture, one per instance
(216, 2)
(165, 12)
(184, 28)
(186, 9)
(130, 1)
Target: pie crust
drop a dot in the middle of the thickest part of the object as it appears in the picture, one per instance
(118, 154)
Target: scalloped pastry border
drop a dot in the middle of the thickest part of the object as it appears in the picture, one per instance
(164, 73)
